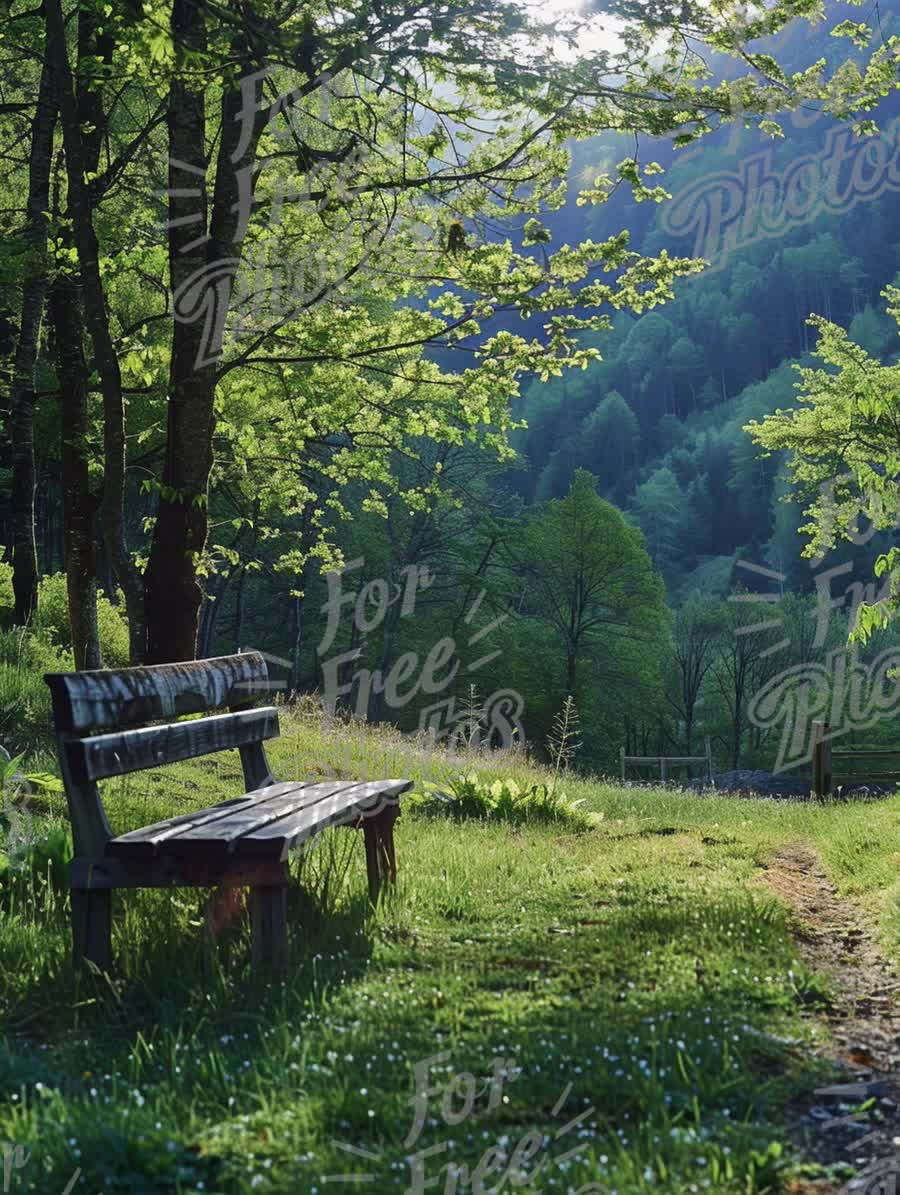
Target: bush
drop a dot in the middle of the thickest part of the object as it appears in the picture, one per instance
(472, 798)
(7, 597)
(31, 856)
(53, 618)
(42, 863)
(25, 718)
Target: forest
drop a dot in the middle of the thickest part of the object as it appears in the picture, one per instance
(269, 349)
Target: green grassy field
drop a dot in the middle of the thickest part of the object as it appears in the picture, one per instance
(595, 1011)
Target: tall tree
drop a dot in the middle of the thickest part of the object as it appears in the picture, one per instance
(77, 142)
(80, 503)
(740, 665)
(22, 396)
(696, 627)
(588, 574)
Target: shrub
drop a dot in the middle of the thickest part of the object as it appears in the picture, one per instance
(473, 798)
(7, 597)
(30, 855)
(25, 719)
(40, 862)
(53, 617)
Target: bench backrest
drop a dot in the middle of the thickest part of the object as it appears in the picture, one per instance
(119, 703)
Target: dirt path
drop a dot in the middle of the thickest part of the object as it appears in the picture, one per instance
(863, 1020)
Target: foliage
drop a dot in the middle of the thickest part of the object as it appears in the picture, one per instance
(843, 445)
(27, 865)
(51, 621)
(52, 618)
(469, 798)
(590, 576)
(27, 857)
(6, 592)
(25, 719)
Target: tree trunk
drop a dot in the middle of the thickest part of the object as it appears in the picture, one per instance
(737, 732)
(212, 606)
(112, 507)
(571, 670)
(202, 265)
(21, 421)
(298, 604)
(385, 660)
(79, 504)
(238, 627)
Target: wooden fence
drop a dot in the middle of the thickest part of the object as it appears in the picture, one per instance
(664, 762)
(826, 778)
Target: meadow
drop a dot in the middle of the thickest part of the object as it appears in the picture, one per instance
(613, 1002)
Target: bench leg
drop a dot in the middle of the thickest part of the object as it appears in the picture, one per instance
(373, 869)
(386, 841)
(381, 860)
(92, 927)
(268, 926)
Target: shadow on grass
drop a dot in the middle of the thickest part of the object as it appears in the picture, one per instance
(167, 971)
(658, 1013)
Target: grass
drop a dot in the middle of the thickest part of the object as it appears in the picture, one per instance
(633, 973)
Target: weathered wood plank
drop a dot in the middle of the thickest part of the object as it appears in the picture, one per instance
(168, 872)
(863, 777)
(268, 927)
(373, 862)
(118, 698)
(366, 799)
(267, 823)
(226, 833)
(90, 829)
(92, 928)
(149, 840)
(116, 754)
(367, 805)
(654, 760)
(852, 753)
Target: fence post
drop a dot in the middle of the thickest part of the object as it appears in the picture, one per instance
(622, 759)
(708, 753)
(821, 759)
(662, 769)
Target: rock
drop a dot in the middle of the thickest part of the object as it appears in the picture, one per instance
(853, 1091)
(862, 791)
(767, 784)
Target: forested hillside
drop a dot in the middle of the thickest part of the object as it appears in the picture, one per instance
(660, 420)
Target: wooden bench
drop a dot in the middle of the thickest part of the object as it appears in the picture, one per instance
(103, 725)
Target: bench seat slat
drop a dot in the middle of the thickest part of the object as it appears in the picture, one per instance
(292, 831)
(148, 838)
(226, 832)
(107, 755)
(267, 822)
(123, 697)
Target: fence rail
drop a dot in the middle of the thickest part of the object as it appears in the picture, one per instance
(664, 762)
(824, 756)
